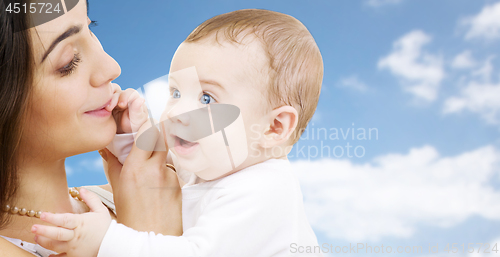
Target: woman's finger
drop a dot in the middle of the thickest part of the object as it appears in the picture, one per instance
(144, 145)
(56, 246)
(92, 200)
(164, 135)
(59, 255)
(160, 155)
(65, 220)
(112, 167)
(54, 233)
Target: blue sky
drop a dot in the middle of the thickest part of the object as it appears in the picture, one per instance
(424, 74)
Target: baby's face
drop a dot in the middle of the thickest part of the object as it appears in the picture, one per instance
(211, 83)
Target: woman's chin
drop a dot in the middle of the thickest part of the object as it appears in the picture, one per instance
(101, 137)
(109, 133)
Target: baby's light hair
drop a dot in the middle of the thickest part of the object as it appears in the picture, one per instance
(295, 62)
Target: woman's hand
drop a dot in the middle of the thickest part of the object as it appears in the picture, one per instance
(147, 194)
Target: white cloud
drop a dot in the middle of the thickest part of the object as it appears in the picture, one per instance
(98, 163)
(486, 71)
(85, 165)
(480, 96)
(69, 170)
(420, 72)
(353, 82)
(94, 164)
(377, 3)
(464, 60)
(485, 25)
(395, 193)
(483, 99)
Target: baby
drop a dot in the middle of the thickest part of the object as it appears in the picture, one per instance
(243, 87)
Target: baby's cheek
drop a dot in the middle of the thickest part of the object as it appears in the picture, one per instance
(216, 161)
(237, 141)
(223, 155)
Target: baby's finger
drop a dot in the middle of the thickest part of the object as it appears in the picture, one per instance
(92, 201)
(116, 88)
(114, 101)
(124, 97)
(133, 96)
(56, 246)
(55, 233)
(65, 220)
(137, 114)
(136, 102)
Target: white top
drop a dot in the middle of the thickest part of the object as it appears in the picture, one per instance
(121, 145)
(257, 211)
(37, 250)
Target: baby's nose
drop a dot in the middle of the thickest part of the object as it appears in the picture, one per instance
(197, 124)
(179, 113)
(183, 118)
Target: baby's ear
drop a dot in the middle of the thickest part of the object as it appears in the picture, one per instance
(282, 124)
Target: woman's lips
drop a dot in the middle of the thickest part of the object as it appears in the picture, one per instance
(184, 147)
(101, 111)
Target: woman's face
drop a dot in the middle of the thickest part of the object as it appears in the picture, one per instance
(72, 84)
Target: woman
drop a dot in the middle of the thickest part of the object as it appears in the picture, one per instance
(55, 100)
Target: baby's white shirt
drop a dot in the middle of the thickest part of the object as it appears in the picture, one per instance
(257, 211)
(121, 145)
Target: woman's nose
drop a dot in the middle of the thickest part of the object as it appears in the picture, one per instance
(106, 69)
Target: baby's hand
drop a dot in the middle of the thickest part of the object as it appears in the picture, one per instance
(75, 234)
(130, 112)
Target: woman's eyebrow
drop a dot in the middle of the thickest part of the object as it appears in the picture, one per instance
(69, 32)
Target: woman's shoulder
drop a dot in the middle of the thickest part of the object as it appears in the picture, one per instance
(8, 249)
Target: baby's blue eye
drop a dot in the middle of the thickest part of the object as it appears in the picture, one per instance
(207, 99)
(176, 94)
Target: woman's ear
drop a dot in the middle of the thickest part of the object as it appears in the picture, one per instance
(282, 124)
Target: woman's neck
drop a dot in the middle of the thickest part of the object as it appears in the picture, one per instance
(42, 186)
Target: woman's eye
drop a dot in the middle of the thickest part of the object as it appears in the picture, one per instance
(176, 94)
(71, 66)
(207, 99)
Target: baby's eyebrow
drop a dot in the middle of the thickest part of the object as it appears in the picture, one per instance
(171, 79)
(211, 82)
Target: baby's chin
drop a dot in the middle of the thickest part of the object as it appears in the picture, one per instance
(209, 158)
(203, 169)
(212, 173)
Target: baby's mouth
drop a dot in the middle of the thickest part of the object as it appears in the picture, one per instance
(183, 146)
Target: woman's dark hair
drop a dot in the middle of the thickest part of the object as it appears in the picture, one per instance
(16, 76)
